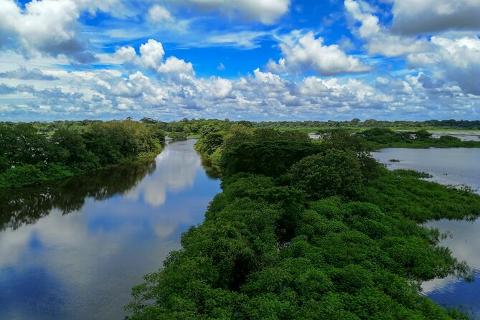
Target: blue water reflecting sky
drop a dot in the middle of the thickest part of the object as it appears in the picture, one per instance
(457, 166)
(82, 265)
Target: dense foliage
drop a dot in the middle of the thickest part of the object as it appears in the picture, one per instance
(306, 230)
(372, 123)
(178, 136)
(334, 172)
(193, 126)
(33, 153)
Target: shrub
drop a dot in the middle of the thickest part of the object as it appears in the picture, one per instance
(333, 173)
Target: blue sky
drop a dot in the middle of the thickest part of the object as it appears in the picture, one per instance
(244, 59)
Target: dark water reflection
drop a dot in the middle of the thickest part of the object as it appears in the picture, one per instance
(73, 251)
(27, 205)
(456, 166)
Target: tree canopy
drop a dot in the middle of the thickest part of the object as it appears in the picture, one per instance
(306, 230)
(33, 154)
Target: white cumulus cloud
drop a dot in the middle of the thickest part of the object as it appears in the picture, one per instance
(456, 59)
(48, 27)
(152, 56)
(378, 39)
(307, 53)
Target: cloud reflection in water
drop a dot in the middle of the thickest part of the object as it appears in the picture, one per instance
(82, 265)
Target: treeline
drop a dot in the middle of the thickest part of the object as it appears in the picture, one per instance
(306, 230)
(193, 126)
(372, 123)
(35, 153)
(378, 134)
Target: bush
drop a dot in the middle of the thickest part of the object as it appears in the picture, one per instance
(270, 158)
(32, 154)
(178, 136)
(22, 175)
(333, 173)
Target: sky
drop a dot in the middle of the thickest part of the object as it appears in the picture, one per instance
(242, 59)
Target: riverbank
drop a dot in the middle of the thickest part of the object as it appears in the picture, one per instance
(28, 176)
(38, 154)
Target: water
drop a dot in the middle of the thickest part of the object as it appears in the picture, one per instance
(454, 166)
(74, 251)
(464, 241)
(449, 166)
(464, 136)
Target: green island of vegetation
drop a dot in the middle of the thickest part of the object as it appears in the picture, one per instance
(307, 230)
(35, 153)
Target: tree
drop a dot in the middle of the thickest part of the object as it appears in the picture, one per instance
(264, 151)
(335, 172)
(423, 135)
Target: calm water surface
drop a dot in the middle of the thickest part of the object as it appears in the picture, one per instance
(461, 136)
(74, 251)
(454, 166)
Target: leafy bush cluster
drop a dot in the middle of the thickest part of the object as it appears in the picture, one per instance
(178, 136)
(32, 155)
(306, 231)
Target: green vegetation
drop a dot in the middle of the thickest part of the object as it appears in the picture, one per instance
(306, 230)
(194, 126)
(375, 134)
(178, 136)
(335, 172)
(39, 153)
(378, 138)
(356, 124)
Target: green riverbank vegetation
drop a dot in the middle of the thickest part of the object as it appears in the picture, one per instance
(38, 153)
(306, 230)
(376, 134)
(378, 138)
(193, 126)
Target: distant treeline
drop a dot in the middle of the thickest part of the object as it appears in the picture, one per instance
(194, 125)
(430, 124)
(33, 153)
(306, 230)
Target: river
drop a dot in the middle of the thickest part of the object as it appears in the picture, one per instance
(455, 166)
(75, 250)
